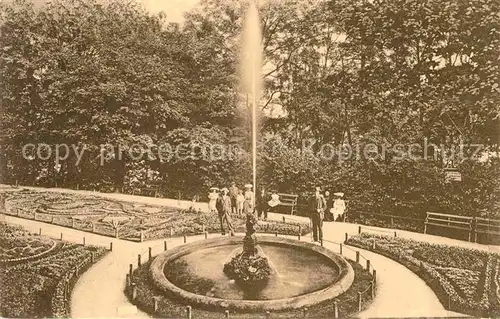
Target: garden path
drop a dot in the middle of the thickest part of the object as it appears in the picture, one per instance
(99, 291)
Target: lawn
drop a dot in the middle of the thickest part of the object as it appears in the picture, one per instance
(33, 287)
(124, 220)
(465, 280)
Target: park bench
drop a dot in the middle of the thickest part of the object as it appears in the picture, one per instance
(449, 221)
(147, 191)
(486, 226)
(287, 200)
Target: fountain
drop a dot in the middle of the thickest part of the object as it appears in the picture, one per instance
(221, 274)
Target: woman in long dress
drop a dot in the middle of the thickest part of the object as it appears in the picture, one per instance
(248, 204)
(212, 196)
(338, 206)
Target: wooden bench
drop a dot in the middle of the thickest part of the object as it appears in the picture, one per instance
(289, 200)
(486, 226)
(449, 221)
(146, 191)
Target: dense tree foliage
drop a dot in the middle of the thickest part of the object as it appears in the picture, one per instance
(336, 73)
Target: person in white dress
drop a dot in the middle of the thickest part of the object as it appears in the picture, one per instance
(240, 199)
(212, 197)
(248, 204)
(338, 208)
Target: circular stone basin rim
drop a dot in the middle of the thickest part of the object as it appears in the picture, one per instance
(345, 280)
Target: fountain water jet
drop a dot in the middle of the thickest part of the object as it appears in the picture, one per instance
(250, 68)
(251, 267)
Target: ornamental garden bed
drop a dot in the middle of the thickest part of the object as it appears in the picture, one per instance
(129, 221)
(171, 307)
(465, 280)
(29, 287)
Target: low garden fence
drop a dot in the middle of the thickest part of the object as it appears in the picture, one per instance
(353, 305)
(61, 297)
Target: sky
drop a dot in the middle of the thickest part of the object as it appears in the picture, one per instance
(174, 9)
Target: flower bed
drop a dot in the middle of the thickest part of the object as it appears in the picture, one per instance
(29, 287)
(16, 243)
(463, 279)
(133, 219)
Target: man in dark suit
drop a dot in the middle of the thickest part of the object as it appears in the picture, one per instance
(318, 214)
(223, 206)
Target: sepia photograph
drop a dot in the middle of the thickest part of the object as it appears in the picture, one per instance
(249, 159)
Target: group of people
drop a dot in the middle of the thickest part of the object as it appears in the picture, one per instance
(232, 200)
(226, 201)
(324, 207)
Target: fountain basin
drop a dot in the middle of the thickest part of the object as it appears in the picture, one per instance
(341, 281)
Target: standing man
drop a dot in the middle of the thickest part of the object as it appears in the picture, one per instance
(224, 211)
(233, 194)
(318, 214)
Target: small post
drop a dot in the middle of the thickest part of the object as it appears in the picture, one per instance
(372, 289)
(116, 232)
(226, 314)
(357, 256)
(40, 231)
(374, 274)
(284, 220)
(321, 242)
(83, 240)
(360, 300)
(188, 312)
(276, 233)
(155, 304)
(346, 236)
(203, 228)
(111, 246)
(34, 215)
(335, 309)
(340, 250)
(392, 221)
(142, 236)
(77, 186)
(206, 235)
(61, 236)
(130, 270)
(128, 282)
(72, 223)
(359, 229)
(150, 254)
(164, 245)
(77, 270)
(185, 239)
(134, 291)
(52, 219)
(138, 260)
(374, 245)
(305, 312)
(395, 234)
(368, 264)
(171, 232)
